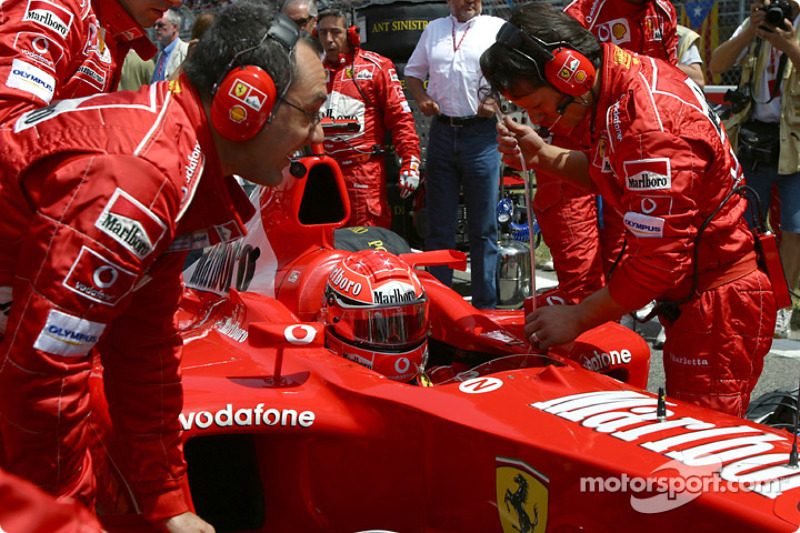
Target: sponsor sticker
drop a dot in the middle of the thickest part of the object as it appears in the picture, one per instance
(247, 94)
(39, 49)
(643, 225)
(741, 454)
(480, 385)
(131, 224)
(621, 57)
(394, 292)
(68, 335)
(247, 417)
(93, 74)
(647, 174)
(31, 79)
(615, 31)
(52, 16)
(98, 279)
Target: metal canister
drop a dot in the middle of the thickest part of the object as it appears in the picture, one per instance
(513, 273)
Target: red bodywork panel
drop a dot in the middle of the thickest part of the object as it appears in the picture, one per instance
(283, 435)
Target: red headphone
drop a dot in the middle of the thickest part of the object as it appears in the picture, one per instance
(243, 103)
(566, 69)
(246, 98)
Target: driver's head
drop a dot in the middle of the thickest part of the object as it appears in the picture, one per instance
(378, 314)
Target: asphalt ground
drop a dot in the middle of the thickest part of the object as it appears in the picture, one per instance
(781, 365)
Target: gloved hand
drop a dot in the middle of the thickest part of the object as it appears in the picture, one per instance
(409, 176)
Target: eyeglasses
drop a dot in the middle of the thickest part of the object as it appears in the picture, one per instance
(160, 24)
(315, 118)
(302, 21)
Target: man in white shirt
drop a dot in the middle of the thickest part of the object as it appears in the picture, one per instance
(462, 149)
(173, 50)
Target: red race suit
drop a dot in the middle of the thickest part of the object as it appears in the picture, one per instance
(24, 507)
(586, 242)
(101, 199)
(57, 49)
(661, 158)
(364, 86)
(649, 28)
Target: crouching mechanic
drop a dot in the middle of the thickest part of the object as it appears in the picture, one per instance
(364, 86)
(665, 163)
(102, 197)
(377, 315)
(69, 48)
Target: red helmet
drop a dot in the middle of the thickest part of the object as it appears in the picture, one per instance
(378, 314)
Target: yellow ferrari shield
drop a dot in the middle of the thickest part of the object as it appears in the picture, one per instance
(522, 496)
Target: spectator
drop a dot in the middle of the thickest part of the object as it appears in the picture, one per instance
(689, 59)
(672, 173)
(173, 49)
(462, 149)
(102, 212)
(766, 53)
(302, 12)
(135, 72)
(364, 86)
(61, 54)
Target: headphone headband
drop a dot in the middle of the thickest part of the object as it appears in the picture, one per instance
(562, 66)
(245, 97)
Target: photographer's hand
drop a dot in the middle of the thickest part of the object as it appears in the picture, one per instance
(783, 39)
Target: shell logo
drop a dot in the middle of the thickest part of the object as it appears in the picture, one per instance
(618, 30)
(580, 76)
(238, 113)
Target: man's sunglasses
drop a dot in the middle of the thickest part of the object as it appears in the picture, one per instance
(302, 22)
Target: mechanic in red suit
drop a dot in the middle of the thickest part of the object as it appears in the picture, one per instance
(56, 49)
(102, 198)
(567, 215)
(667, 166)
(25, 507)
(364, 86)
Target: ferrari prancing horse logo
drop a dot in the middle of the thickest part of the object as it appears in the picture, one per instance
(522, 497)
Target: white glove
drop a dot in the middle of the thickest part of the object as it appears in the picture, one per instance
(409, 176)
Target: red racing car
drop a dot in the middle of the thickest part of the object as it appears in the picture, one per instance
(285, 431)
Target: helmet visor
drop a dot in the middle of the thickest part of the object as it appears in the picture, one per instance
(391, 327)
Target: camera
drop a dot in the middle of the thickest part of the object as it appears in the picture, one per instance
(738, 98)
(777, 11)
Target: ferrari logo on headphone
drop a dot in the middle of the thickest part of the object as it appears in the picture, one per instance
(239, 90)
(568, 69)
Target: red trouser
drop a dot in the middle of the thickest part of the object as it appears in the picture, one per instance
(708, 360)
(567, 218)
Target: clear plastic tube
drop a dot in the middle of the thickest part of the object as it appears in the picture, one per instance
(530, 305)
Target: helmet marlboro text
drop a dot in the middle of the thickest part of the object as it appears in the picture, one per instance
(378, 314)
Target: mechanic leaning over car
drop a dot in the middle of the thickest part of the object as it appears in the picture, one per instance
(364, 86)
(659, 156)
(585, 236)
(69, 48)
(102, 198)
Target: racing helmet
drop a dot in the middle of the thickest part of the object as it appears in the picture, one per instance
(377, 314)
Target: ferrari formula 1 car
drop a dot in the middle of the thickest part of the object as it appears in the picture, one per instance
(286, 432)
